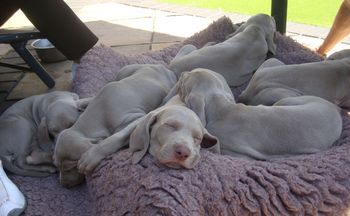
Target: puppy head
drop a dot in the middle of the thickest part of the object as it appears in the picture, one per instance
(66, 157)
(201, 79)
(342, 54)
(173, 135)
(61, 114)
(196, 85)
(268, 26)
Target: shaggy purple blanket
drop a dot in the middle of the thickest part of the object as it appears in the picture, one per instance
(316, 184)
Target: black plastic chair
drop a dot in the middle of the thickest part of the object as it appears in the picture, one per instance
(18, 40)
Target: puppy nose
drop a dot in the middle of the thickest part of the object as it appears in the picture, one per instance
(181, 152)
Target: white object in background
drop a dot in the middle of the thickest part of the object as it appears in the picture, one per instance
(46, 51)
(12, 201)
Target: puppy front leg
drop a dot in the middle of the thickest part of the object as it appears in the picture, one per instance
(38, 156)
(92, 157)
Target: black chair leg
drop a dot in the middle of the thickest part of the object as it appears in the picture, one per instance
(21, 49)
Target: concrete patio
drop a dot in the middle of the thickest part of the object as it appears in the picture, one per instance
(128, 27)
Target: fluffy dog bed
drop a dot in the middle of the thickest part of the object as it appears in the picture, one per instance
(315, 184)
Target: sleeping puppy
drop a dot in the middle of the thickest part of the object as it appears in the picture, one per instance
(294, 125)
(345, 53)
(29, 127)
(105, 126)
(273, 81)
(237, 57)
(173, 134)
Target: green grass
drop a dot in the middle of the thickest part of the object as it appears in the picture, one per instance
(320, 13)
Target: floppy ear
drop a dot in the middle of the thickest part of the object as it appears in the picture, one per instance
(185, 50)
(270, 40)
(140, 137)
(238, 30)
(210, 142)
(197, 103)
(171, 93)
(271, 62)
(44, 140)
(83, 103)
(74, 96)
(177, 88)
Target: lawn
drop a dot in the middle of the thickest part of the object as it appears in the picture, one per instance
(320, 13)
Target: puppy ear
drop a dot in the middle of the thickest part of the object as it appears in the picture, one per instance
(210, 142)
(171, 94)
(44, 140)
(140, 137)
(196, 103)
(185, 50)
(238, 30)
(83, 103)
(74, 96)
(271, 62)
(270, 40)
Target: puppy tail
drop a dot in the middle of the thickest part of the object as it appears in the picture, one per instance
(9, 166)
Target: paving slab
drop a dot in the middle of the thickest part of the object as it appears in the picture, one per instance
(166, 38)
(313, 43)
(159, 46)
(132, 49)
(144, 23)
(6, 104)
(11, 54)
(7, 86)
(113, 34)
(31, 84)
(307, 30)
(15, 61)
(180, 26)
(112, 11)
(14, 76)
(4, 49)
(8, 70)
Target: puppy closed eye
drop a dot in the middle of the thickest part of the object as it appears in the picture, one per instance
(172, 125)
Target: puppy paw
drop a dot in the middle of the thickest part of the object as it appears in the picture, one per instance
(89, 160)
(38, 157)
(31, 160)
(52, 169)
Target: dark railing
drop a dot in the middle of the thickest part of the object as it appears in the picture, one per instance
(279, 12)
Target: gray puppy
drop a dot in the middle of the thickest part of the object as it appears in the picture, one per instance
(29, 127)
(294, 125)
(173, 134)
(108, 121)
(273, 81)
(237, 57)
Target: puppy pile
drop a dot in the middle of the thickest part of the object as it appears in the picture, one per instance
(174, 112)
